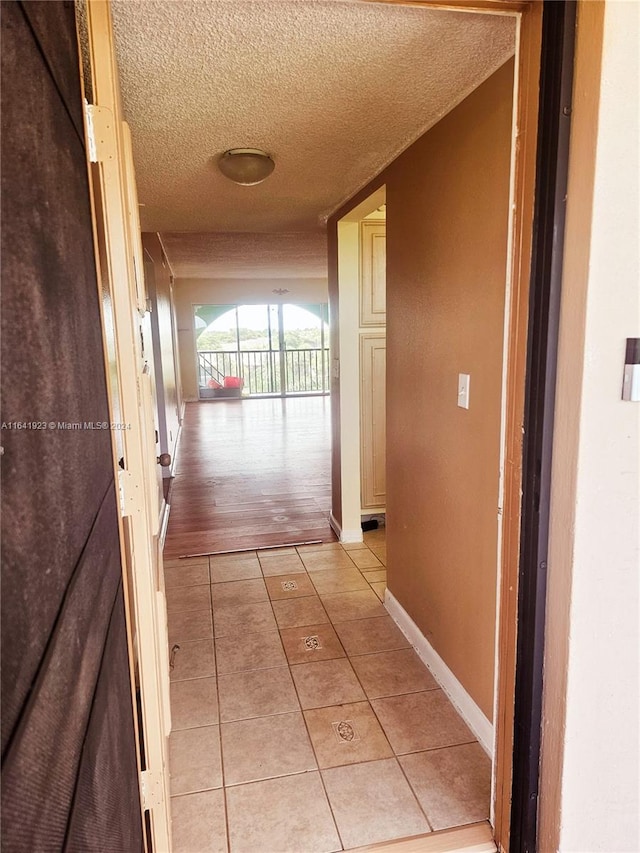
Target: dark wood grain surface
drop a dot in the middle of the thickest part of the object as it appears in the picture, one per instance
(69, 772)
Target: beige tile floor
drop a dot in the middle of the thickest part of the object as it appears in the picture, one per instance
(303, 722)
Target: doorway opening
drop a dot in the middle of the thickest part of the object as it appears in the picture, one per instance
(175, 249)
(361, 343)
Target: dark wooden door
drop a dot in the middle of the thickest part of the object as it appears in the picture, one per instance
(69, 767)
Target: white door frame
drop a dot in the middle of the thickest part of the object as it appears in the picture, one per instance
(120, 260)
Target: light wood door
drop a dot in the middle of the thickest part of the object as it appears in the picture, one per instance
(128, 338)
(373, 267)
(373, 353)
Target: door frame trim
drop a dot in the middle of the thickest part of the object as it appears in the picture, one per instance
(118, 254)
(529, 13)
(556, 84)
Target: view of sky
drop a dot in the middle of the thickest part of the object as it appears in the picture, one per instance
(255, 317)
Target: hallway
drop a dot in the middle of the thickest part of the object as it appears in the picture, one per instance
(251, 474)
(303, 721)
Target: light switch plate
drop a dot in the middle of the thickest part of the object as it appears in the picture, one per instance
(463, 390)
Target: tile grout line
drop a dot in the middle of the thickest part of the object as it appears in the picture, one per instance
(384, 734)
(368, 701)
(222, 772)
(301, 710)
(382, 729)
(396, 754)
(319, 771)
(295, 687)
(195, 728)
(347, 657)
(411, 788)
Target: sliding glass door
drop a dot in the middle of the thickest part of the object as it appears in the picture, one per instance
(263, 349)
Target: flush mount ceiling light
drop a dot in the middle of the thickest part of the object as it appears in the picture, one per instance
(246, 166)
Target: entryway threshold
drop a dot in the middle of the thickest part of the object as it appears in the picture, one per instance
(475, 838)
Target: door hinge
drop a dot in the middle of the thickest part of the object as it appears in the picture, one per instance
(129, 491)
(100, 133)
(151, 789)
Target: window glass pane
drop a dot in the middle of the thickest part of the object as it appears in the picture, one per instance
(215, 328)
(244, 341)
(302, 327)
(253, 327)
(275, 327)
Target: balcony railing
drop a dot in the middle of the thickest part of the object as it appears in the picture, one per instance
(301, 371)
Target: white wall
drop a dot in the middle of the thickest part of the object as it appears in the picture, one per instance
(349, 278)
(590, 761)
(201, 291)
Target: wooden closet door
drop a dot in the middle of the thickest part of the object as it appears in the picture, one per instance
(373, 352)
(373, 267)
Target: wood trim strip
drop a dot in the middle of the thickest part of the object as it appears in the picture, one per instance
(475, 838)
(116, 265)
(530, 36)
(492, 6)
(558, 36)
(582, 156)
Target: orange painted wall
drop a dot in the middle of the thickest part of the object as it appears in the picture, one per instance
(447, 217)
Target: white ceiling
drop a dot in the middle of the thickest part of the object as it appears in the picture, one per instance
(333, 89)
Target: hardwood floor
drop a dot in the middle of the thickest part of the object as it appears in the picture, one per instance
(251, 474)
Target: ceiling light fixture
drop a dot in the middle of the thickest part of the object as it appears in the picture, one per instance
(246, 166)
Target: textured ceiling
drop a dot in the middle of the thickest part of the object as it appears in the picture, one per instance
(334, 90)
(241, 255)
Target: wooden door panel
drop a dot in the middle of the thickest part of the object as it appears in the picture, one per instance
(49, 22)
(107, 807)
(373, 270)
(373, 420)
(61, 570)
(40, 764)
(50, 337)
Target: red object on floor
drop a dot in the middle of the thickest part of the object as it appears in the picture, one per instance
(233, 382)
(213, 383)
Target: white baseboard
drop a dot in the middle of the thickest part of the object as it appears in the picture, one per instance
(164, 523)
(467, 708)
(175, 449)
(349, 536)
(335, 526)
(346, 536)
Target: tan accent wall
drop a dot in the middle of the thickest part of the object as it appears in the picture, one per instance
(447, 219)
